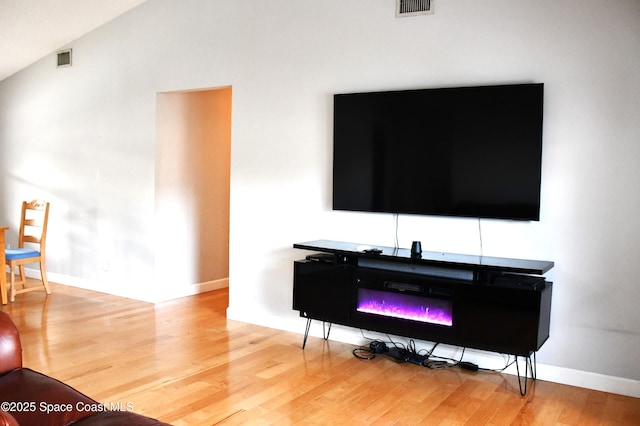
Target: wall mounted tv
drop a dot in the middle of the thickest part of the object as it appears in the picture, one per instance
(464, 151)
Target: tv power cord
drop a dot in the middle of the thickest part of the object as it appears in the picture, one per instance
(410, 355)
(397, 353)
(376, 347)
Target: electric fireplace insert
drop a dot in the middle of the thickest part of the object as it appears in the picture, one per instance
(405, 306)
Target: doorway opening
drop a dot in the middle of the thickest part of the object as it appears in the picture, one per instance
(192, 187)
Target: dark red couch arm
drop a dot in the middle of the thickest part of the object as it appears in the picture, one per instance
(7, 419)
(10, 347)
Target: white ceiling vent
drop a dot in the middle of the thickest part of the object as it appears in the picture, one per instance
(413, 8)
(64, 58)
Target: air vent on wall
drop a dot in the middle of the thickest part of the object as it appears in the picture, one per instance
(64, 58)
(413, 8)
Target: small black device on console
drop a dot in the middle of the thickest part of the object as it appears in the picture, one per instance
(416, 249)
(322, 257)
(527, 282)
(373, 251)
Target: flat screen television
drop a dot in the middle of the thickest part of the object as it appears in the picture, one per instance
(463, 151)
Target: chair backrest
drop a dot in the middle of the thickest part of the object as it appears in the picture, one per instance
(33, 224)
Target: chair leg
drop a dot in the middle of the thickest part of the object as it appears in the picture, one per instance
(23, 277)
(3, 288)
(12, 282)
(43, 274)
(12, 285)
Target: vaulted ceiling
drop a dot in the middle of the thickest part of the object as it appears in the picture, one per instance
(32, 29)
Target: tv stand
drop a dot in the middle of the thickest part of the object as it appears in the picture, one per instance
(487, 303)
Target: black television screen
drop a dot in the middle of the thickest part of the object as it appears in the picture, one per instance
(465, 151)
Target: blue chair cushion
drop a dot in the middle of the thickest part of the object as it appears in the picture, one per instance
(20, 253)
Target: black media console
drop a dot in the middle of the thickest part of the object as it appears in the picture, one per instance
(488, 303)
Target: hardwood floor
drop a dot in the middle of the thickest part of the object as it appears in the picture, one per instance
(184, 363)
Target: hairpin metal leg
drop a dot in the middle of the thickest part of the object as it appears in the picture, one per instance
(530, 367)
(325, 331)
(306, 333)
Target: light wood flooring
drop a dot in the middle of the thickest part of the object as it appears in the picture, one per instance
(184, 363)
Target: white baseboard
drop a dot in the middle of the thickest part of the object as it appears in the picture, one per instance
(589, 380)
(550, 373)
(152, 295)
(178, 292)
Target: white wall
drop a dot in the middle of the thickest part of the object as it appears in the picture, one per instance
(91, 127)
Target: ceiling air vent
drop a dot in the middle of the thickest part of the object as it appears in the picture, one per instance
(64, 58)
(413, 8)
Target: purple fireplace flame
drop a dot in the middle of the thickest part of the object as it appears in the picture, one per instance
(405, 306)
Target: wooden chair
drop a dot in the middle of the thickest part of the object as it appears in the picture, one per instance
(33, 231)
